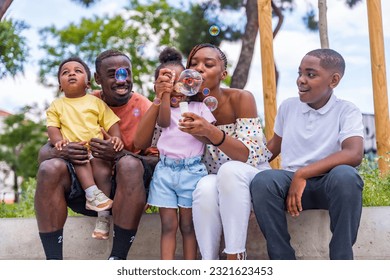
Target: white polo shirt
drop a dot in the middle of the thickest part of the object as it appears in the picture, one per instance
(309, 135)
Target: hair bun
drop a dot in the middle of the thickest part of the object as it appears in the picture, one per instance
(170, 54)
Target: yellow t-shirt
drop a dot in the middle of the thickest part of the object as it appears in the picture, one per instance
(80, 119)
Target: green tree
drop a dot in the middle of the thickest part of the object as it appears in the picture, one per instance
(134, 29)
(241, 18)
(195, 23)
(20, 142)
(192, 25)
(13, 48)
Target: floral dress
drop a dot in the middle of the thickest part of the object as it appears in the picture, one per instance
(249, 132)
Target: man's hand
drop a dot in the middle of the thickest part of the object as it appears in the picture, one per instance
(294, 197)
(75, 152)
(103, 149)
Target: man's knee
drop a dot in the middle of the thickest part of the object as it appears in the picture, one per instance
(345, 179)
(53, 169)
(345, 186)
(129, 176)
(52, 182)
(129, 165)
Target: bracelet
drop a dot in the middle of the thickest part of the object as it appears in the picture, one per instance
(223, 140)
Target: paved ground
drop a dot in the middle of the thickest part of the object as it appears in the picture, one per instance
(310, 236)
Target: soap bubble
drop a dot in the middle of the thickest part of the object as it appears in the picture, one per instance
(136, 112)
(174, 100)
(206, 91)
(140, 50)
(211, 102)
(121, 74)
(214, 30)
(189, 82)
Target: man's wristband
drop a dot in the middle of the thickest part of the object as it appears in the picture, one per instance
(221, 142)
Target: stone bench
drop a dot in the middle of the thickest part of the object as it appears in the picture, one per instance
(310, 236)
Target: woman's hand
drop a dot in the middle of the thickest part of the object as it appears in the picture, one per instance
(194, 125)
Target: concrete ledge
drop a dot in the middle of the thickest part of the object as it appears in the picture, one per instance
(310, 236)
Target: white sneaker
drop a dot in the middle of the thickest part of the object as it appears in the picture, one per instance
(99, 202)
(102, 228)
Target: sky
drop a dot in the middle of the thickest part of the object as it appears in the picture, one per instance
(348, 34)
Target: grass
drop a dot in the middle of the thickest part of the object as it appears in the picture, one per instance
(25, 207)
(376, 190)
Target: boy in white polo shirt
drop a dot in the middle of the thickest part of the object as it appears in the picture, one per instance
(320, 139)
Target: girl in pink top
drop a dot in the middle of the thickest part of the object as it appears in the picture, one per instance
(180, 166)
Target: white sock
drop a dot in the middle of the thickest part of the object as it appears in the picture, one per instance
(90, 190)
(104, 213)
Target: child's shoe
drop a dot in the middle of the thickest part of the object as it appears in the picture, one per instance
(102, 228)
(99, 202)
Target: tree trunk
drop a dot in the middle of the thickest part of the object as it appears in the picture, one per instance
(16, 187)
(4, 5)
(240, 74)
(323, 24)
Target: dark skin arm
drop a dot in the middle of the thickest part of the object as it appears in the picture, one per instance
(274, 145)
(114, 134)
(144, 135)
(55, 135)
(243, 106)
(75, 152)
(105, 149)
(164, 87)
(203, 139)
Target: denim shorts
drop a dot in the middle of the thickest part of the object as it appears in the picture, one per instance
(76, 197)
(174, 181)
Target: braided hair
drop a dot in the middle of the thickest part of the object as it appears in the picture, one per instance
(195, 49)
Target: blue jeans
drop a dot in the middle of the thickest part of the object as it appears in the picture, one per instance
(174, 181)
(339, 191)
